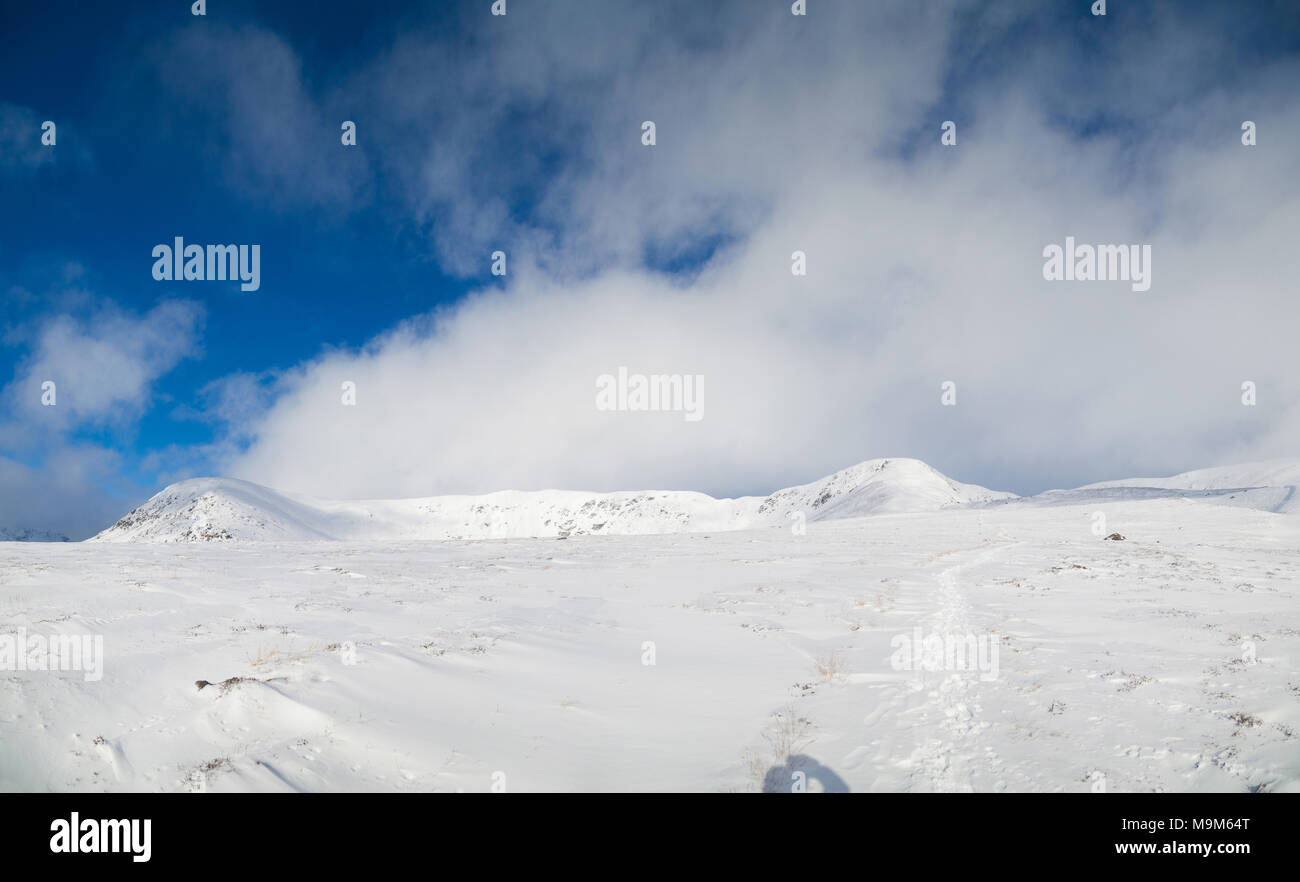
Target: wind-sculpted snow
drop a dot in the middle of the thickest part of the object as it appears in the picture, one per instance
(214, 509)
(697, 661)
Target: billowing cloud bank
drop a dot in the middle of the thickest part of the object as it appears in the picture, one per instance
(924, 263)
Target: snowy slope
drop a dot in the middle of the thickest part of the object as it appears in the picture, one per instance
(1269, 486)
(207, 509)
(878, 486)
(1166, 662)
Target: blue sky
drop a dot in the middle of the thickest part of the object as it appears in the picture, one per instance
(122, 180)
(523, 133)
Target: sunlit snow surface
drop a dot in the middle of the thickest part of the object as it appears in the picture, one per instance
(1122, 664)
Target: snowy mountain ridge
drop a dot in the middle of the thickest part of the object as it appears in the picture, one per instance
(23, 534)
(1264, 486)
(218, 509)
(228, 509)
(1270, 485)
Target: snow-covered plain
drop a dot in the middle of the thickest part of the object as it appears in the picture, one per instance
(1166, 661)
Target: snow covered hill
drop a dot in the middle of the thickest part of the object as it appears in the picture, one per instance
(214, 509)
(1163, 663)
(1262, 486)
(1270, 486)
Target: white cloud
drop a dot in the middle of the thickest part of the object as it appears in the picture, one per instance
(75, 493)
(924, 262)
(20, 139)
(103, 366)
(276, 143)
